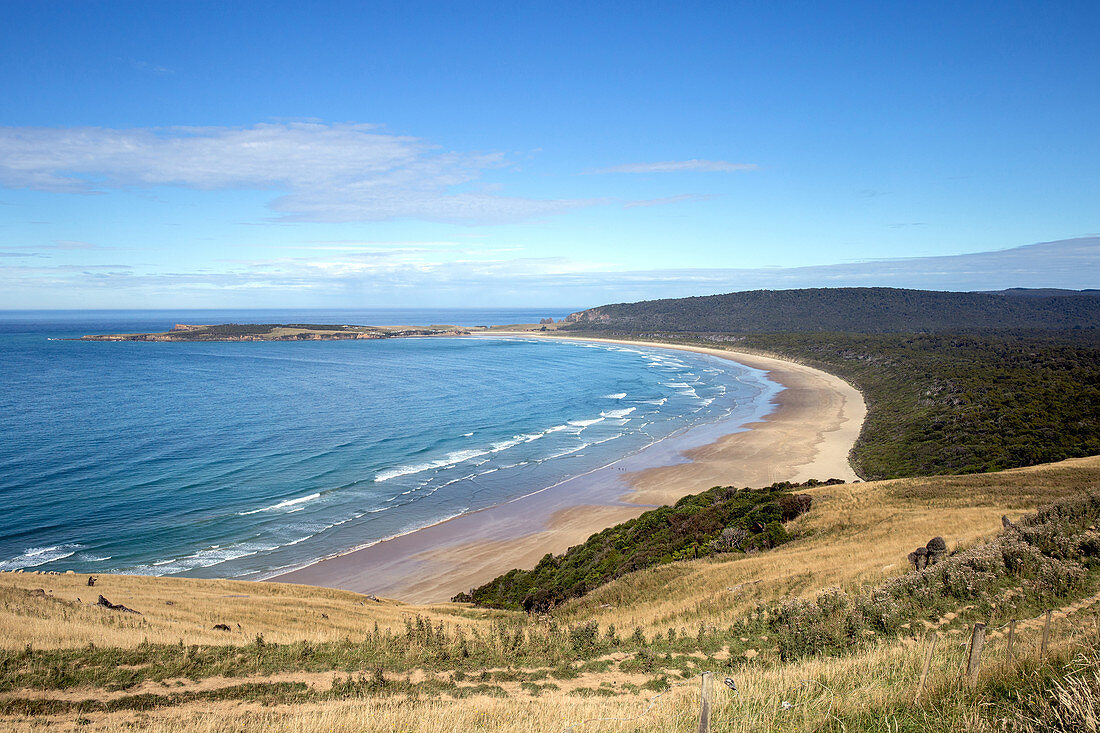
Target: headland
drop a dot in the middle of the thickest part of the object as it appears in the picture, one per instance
(279, 332)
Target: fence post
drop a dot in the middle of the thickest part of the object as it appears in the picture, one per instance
(977, 640)
(927, 664)
(1011, 638)
(1046, 635)
(706, 688)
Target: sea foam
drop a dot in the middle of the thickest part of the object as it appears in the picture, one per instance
(35, 556)
(283, 505)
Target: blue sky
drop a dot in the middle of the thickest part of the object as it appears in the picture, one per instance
(197, 154)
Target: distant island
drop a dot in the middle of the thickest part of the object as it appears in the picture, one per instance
(281, 332)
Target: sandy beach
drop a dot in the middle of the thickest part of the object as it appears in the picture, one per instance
(816, 420)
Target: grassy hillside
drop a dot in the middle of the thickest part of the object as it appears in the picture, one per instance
(722, 519)
(313, 660)
(857, 310)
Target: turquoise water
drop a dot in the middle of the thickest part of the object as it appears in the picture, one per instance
(241, 459)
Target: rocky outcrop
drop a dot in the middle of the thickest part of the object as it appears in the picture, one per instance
(930, 554)
(115, 606)
(592, 315)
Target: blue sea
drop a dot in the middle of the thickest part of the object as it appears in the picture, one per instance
(246, 459)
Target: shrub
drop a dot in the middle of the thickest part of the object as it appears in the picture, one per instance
(1044, 551)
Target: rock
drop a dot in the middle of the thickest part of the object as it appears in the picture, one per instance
(115, 606)
(918, 558)
(936, 544)
(70, 572)
(221, 627)
(937, 550)
(1006, 522)
(37, 593)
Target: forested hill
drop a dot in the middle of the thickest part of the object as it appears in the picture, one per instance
(853, 310)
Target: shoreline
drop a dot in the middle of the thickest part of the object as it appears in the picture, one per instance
(809, 433)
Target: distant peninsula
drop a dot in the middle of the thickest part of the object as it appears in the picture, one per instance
(281, 332)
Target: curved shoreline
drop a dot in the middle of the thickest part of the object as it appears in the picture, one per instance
(809, 434)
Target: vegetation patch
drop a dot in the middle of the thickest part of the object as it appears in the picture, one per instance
(1042, 559)
(720, 520)
(868, 310)
(950, 402)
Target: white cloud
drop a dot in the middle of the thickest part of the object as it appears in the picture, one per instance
(679, 166)
(421, 276)
(326, 172)
(66, 245)
(668, 200)
(72, 244)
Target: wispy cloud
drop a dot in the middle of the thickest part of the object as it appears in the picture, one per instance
(325, 172)
(72, 244)
(149, 67)
(64, 245)
(356, 246)
(679, 166)
(669, 200)
(423, 276)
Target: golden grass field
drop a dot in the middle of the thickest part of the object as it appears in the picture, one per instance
(855, 534)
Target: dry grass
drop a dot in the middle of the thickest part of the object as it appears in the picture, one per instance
(810, 695)
(858, 534)
(180, 608)
(855, 534)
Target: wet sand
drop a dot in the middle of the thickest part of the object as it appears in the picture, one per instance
(816, 420)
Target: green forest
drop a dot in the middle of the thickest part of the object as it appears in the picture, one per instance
(867, 310)
(947, 403)
(954, 382)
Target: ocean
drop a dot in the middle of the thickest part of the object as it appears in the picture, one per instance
(247, 459)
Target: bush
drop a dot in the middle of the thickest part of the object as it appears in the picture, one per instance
(1044, 551)
(722, 519)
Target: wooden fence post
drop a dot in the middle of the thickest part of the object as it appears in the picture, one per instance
(977, 640)
(927, 664)
(1046, 635)
(705, 691)
(1011, 638)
